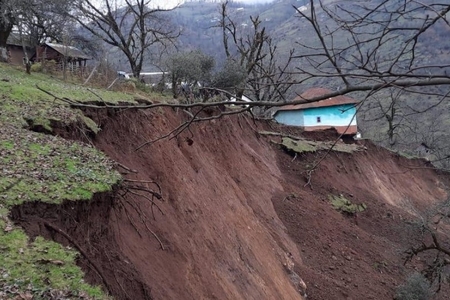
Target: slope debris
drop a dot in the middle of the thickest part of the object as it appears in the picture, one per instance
(222, 212)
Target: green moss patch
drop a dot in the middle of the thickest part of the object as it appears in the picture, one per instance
(299, 146)
(38, 269)
(344, 205)
(90, 124)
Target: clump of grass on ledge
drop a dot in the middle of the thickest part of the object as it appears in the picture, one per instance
(344, 205)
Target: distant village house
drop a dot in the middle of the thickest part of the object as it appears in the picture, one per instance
(337, 112)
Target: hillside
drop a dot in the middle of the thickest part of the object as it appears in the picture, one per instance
(222, 211)
(409, 126)
(288, 30)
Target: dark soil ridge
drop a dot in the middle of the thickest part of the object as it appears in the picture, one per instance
(85, 226)
(237, 221)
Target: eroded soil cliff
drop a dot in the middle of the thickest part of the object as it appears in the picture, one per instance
(236, 220)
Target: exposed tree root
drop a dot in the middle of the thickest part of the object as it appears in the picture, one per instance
(126, 168)
(131, 186)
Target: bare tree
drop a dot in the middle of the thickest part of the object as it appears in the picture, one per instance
(372, 45)
(47, 19)
(392, 120)
(133, 27)
(380, 50)
(250, 47)
(33, 20)
(432, 247)
(7, 22)
(385, 109)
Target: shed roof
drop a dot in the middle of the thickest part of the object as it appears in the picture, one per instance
(68, 51)
(15, 40)
(317, 92)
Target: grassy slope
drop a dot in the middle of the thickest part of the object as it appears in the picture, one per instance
(38, 167)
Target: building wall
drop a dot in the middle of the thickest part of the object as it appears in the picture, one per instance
(290, 117)
(44, 52)
(16, 54)
(340, 115)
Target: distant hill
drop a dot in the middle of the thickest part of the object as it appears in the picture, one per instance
(198, 21)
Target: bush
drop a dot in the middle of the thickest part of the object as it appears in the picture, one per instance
(142, 86)
(49, 66)
(36, 67)
(416, 287)
(128, 86)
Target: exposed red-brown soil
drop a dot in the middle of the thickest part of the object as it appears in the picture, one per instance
(361, 256)
(236, 220)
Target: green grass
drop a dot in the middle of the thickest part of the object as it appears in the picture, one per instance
(45, 168)
(50, 169)
(22, 102)
(39, 267)
(21, 86)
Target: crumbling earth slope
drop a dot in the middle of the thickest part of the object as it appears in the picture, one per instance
(236, 220)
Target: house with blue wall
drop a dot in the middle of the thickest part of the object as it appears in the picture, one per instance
(337, 112)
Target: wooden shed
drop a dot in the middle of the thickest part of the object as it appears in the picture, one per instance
(15, 49)
(74, 58)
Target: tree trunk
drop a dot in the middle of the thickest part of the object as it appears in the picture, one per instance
(3, 54)
(239, 94)
(135, 68)
(28, 67)
(174, 87)
(5, 30)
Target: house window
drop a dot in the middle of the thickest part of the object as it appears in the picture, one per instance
(318, 120)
